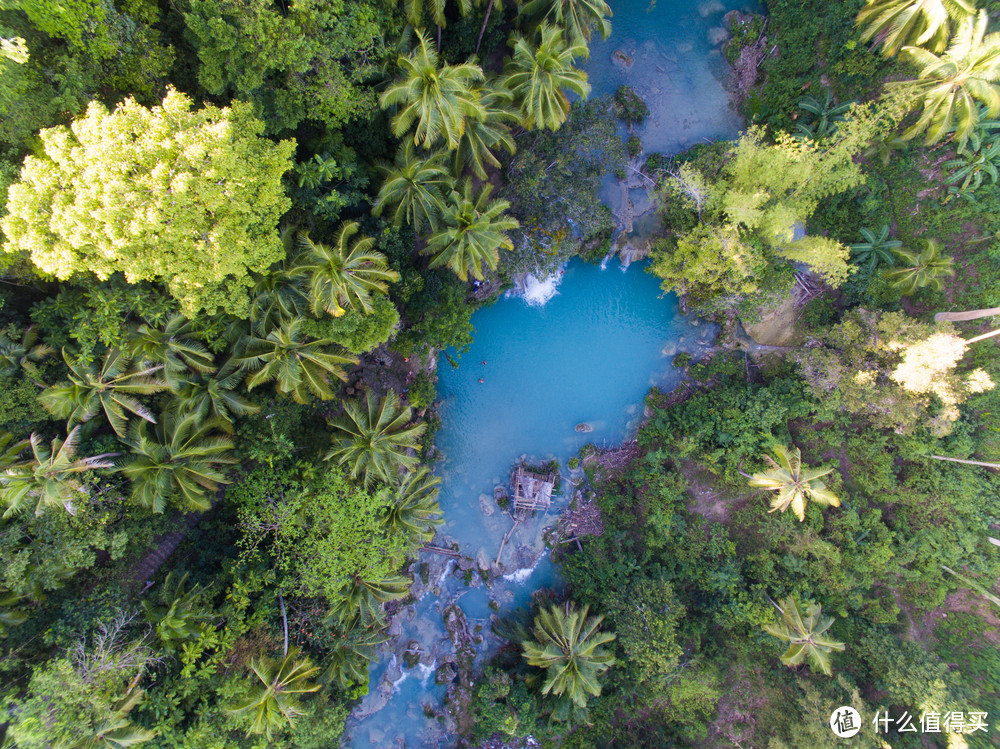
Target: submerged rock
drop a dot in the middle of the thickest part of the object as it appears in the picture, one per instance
(487, 504)
(482, 561)
(445, 674)
(717, 35)
(710, 7)
(620, 58)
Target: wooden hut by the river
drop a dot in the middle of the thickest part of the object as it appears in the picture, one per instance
(532, 491)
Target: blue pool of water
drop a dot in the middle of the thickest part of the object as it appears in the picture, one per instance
(587, 356)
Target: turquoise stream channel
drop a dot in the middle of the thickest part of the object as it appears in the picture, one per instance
(588, 356)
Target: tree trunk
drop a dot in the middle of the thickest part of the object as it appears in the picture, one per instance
(482, 30)
(439, 37)
(963, 316)
(984, 336)
(966, 462)
(284, 620)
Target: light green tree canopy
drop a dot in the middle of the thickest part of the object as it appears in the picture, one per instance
(894, 370)
(188, 198)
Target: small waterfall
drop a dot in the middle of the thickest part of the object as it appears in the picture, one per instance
(426, 672)
(519, 576)
(537, 292)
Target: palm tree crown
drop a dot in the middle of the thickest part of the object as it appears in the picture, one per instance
(921, 23)
(927, 268)
(538, 74)
(952, 85)
(343, 274)
(567, 644)
(482, 137)
(793, 483)
(49, 477)
(296, 365)
(273, 700)
(111, 388)
(805, 634)
(214, 398)
(277, 297)
(172, 345)
(434, 98)
(473, 230)
(416, 186)
(361, 599)
(180, 462)
(374, 438)
(415, 510)
(25, 353)
(577, 17)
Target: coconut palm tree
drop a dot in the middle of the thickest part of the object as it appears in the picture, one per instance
(343, 274)
(951, 86)
(538, 74)
(296, 365)
(416, 187)
(925, 269)
(111, 388)
(349, 659)
(472, 232)
(567, 643)
(435, 99)
(273, 700)
(804, 631)
(414, 510)
(114, 730)
(214, 398)
(179, 461)
(921, 23)
(49, 477)
(577, 17)
(177, 616)
(373, 439)
(23, 354)
(277, 297)
(794, 485)
(172, 346)
(482, 137)
(876, 250)
(361, 599)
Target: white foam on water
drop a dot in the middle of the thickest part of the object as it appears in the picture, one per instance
(447, 571)
(519, 576)
(426, 672)
(537, 292)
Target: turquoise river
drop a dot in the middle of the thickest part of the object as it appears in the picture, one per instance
(534, 372)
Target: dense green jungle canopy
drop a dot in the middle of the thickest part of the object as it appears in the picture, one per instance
(235, 233)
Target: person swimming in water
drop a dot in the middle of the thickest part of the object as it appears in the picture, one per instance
(481, 380)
